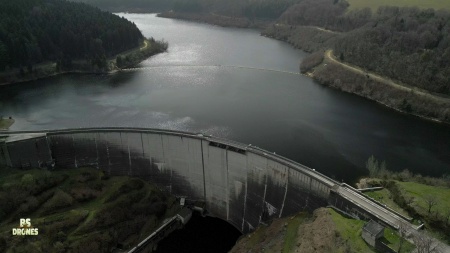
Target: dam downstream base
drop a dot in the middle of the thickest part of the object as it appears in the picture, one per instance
(241, 184)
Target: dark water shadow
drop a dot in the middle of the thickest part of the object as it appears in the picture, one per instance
(201, 234)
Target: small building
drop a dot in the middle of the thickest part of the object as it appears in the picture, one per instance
(371, 232)
(184, 215)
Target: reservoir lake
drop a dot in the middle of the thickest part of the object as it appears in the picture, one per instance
(234, 83)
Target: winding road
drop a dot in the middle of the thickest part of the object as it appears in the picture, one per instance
(438, 97)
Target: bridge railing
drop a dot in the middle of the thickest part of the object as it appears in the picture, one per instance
(376, 202)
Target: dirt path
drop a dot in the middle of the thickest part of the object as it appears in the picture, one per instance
(324, 30)
(441, 98)
(145, 45)
(310, 26)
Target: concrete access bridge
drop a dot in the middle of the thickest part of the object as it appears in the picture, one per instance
(241, 184)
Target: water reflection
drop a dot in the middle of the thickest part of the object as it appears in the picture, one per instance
(328, 130)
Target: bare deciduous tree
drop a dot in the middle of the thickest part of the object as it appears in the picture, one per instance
(447, 217)
(425, 243)
(431, 201)
(409, 200)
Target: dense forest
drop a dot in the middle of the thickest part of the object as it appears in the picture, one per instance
(35, 31)
(406, 44)
(252, 9)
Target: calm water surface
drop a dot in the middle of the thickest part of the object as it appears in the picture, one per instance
(193, 88)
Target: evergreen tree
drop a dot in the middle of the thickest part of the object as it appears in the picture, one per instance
(372, 166)
(3, 56)
(34, 31)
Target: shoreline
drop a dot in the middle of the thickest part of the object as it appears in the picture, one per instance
(80, 72)
(47, 70)
(30, 77)
(420, 106)
(338, 75)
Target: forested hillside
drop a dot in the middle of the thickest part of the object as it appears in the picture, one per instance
(79, 210)
(35, 31)
(262, 9)
(406, 44)
(328, 14)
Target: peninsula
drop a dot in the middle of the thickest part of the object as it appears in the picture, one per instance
(44, 38)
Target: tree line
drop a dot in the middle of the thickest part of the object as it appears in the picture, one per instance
(252, 9)
(36, 31)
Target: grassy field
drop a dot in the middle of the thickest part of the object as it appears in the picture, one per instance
(423, 4)
(326, 231)
(6, 123)
(392, 239)
(280, 236)
(350, 230)
(290, 238)
(384, 196)
(421, 192)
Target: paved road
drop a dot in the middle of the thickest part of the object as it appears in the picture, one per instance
(309, 26)
(380, 212)
(442, 98)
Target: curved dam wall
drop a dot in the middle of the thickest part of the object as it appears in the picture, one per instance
(241, 184)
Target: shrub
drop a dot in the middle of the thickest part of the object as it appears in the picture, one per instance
(59, 200)
(311, 61)
(158, 209)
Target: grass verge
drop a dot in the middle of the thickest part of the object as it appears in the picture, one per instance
(290, 238)
(422, 193)
(350, 231)
(384, 196)
(6, 123)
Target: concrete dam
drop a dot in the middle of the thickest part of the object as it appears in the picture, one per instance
(241, 184)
